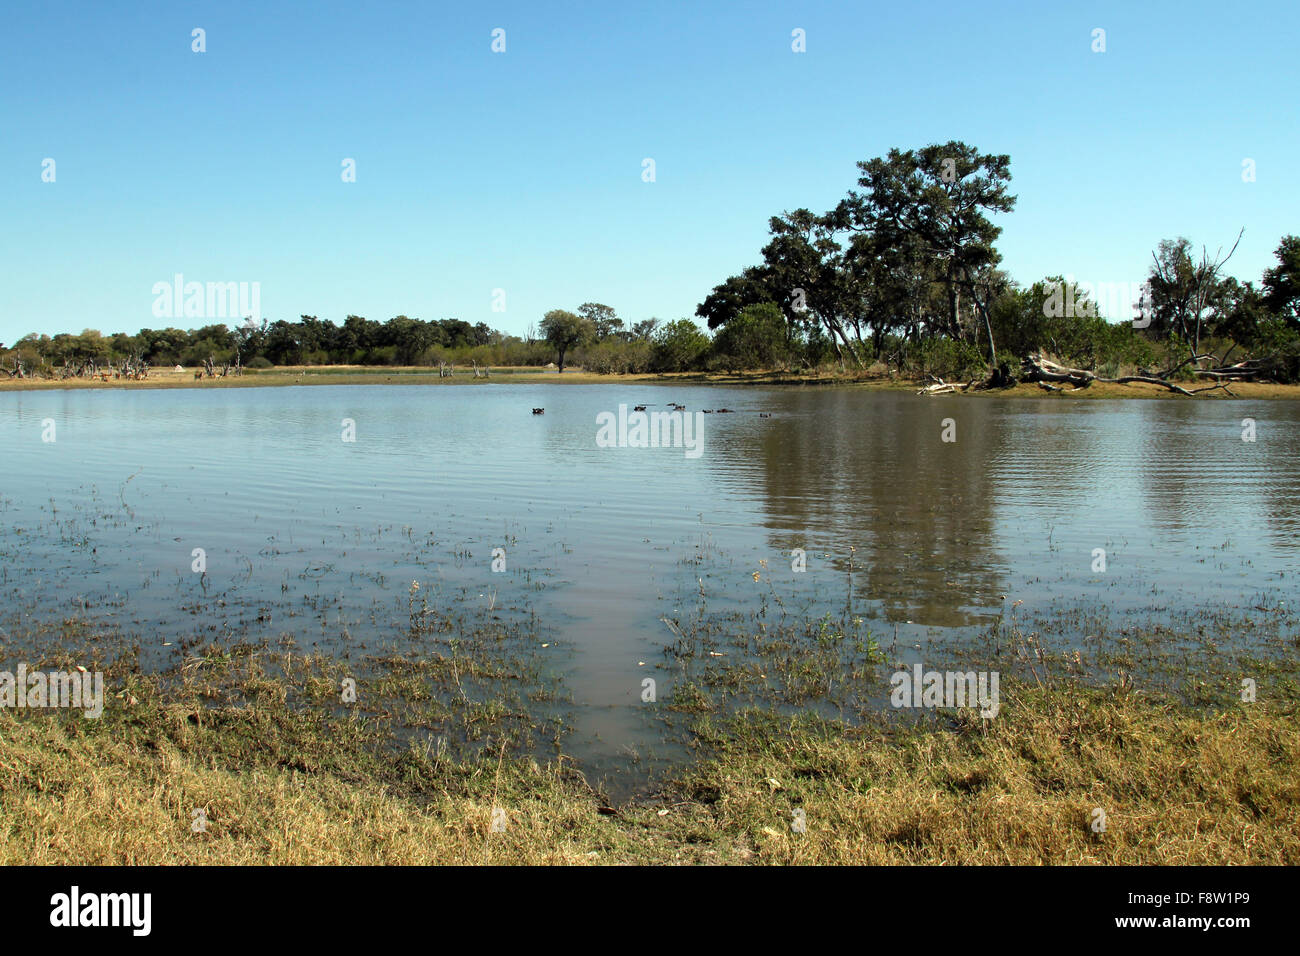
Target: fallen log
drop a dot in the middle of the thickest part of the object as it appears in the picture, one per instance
(940, 387)
(1042, 370)
(1146, 380)
(1035, 368)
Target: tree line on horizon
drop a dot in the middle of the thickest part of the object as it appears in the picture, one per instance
(600, 340)
(902, 275)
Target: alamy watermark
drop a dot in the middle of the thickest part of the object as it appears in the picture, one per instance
(179, 299)
(1130, 301)
(922, 688)
(79, 690)
(75, 908)
(642, 429)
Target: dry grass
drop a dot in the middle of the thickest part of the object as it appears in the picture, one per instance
(1176, 788)
(89, 800)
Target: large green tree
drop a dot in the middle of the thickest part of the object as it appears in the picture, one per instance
(604, 320)
(730, 297)
(565, 331)
(918, 225)
(1282, 282)
(936, 202)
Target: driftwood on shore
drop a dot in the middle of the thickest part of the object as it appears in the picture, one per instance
(940, 387)
(1054, 377)
(1036, 368)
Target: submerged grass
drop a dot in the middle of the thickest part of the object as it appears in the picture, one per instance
(453, 750)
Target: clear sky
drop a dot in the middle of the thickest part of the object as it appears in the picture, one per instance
(522, 170)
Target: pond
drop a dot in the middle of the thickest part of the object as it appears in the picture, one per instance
(315, 508)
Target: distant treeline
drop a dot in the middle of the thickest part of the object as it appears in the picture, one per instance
(901, 275)
(603, 344)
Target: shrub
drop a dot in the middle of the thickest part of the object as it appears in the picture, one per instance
(945, 358)
(616, 357)
(756, 338)
(679, 347)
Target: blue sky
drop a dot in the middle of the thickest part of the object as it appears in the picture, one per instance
(522, 170)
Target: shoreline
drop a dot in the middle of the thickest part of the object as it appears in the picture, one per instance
(279, 785)
(285, 770)
(421, 375)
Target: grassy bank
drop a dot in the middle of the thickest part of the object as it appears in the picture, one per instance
(281, 781)
(783, 718)
(422, 375)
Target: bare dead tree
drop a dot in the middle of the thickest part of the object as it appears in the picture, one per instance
(1189, 291)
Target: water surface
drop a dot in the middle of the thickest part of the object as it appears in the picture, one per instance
(309, 534)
